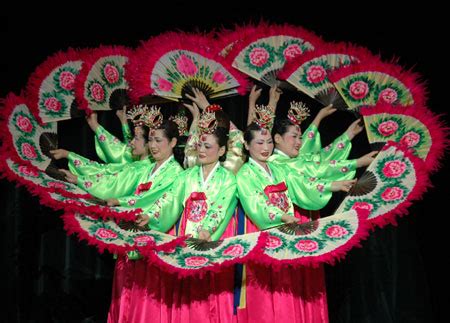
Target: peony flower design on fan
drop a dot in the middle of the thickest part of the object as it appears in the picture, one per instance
(409, 127)
(51, 87)
(263, 58)
(393, 178)
(323, 241)
(177, 72)
(372, 82)
(170, 65)
(102, 83)
(38, 181)
(308, 73)
(115, 237)
(30, 140)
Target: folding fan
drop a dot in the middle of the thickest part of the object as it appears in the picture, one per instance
(171, 64)
(37, 181)
(368, 83)
(323, 240)
(227, 39)
(51, 87)
(88, 205)
(198, 255)
(265, 51)
(61, 195)
(102, 83)
(117, 236)
(400, 124)
(309, 72)
(24, 137)
(388, 185)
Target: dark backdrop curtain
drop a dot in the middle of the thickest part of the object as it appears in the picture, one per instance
(399, 274)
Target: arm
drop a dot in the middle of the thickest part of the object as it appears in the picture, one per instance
(127, 135)
(274, 97)
(81, 166)
(340, 148)
(254, 202)
(166, 209)
(255, 93)
(118, 184)
(311, 142)
(110, 149)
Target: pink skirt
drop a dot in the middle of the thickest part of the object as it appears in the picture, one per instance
(291, 294)
(144, 293)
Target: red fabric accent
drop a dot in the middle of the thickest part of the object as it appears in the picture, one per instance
(305, 215)
(213, 108)
(195, 196)
(280, 187)
(143, 187)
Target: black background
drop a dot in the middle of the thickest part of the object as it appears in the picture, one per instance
(399, 275)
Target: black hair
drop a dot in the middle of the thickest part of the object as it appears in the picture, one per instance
(145, 131)
(221, 134)
(248, 135)
(281, 126)
(222, 131)
(178, 150)
(170, 129)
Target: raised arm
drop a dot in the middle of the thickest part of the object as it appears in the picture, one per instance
(255, 93)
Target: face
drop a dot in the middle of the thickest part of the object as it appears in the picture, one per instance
(209, 150)
(261, 146)
(138, 143)
(159, 145)
(290, 142)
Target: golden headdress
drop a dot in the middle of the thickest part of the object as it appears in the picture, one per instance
(298, 112)
(153, 118)
(208, 123)
(264, 116)
(181, 121)
(137, 114)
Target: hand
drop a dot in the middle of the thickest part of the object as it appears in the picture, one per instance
(193, 109)
(121, 114)
(204, 235)
(112, 202)
(71, 178)
(344, 186)
(59, 153)
(274, 97)
(366, 159)
(254, 95)
(289, 218)
(325, 112)
(354, 129)
(92, 121)
(142, 220)
(199, 98)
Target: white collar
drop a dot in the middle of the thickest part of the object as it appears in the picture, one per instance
(279, 152)
(153, 174)
(204, 182)
(267, 174)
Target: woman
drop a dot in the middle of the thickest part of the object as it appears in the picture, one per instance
(108, 181)
(292, 294)
(205, 196)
